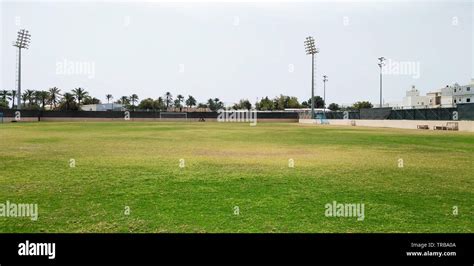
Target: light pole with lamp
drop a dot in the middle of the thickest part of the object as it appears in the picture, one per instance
(381, 64)
(311, 50)
(325, 78)
(22, 42)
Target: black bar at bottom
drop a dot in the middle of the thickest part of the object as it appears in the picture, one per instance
(417, 249)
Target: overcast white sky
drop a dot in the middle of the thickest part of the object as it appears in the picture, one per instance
(238, 50)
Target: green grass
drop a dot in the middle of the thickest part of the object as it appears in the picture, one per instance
(136, 164)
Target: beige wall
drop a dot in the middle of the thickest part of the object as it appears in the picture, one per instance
(408, 124)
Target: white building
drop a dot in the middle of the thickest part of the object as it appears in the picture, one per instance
(463, 94)
(448, 96)
(413, 99)
(102, 107)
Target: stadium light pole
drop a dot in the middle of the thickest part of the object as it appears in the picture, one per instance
(311, 50)
(22, 42)
(325, 78)
(381, 64)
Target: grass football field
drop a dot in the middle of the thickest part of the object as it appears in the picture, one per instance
(129, 177)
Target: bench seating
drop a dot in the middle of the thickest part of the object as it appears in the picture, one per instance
(448, 126)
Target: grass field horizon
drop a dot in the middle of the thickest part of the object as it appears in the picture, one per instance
(229, 165)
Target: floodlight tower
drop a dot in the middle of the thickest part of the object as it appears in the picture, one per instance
(22, 42)
(381, 64)
(311, 50)
(325, 78)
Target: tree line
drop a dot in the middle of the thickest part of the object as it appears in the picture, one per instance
(53, 99)
(283, 102)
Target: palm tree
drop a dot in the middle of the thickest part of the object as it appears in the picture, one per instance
(169, 99)
(219, 104)
(177, 103)
(29, 95)
(4, 95)
(68, 99)
(13, 97)
(24, 98)
(54, 94)
(37, 97)
(124, 100)
(190, 102)
(80, 94)
(43, 97)
(180, 99)
(133, 100)
(215, 104)
(109, 97)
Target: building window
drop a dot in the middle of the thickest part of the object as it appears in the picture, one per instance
(454, 90)
(468, 100)
(454, 100)
(468, 89)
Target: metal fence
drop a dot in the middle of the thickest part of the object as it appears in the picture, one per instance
(132, 114)
(424, 114)
(460, 112)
